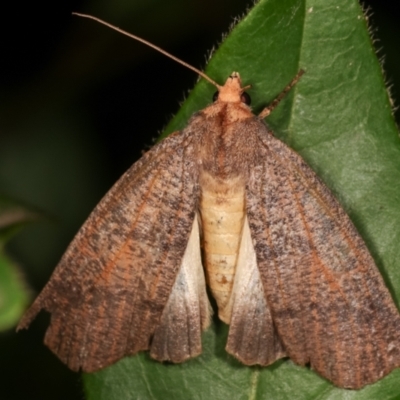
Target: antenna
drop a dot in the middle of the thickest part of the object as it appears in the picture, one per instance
(139, 39)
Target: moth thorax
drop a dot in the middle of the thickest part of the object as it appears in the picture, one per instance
(222, 208)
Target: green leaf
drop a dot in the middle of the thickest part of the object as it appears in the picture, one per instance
(338, 117)
(13, 294)
(13, 216)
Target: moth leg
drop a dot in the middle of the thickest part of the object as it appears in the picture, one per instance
(267, 110)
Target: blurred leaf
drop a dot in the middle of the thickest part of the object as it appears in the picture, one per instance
(13, 216)
(13, 294)
(339, 119)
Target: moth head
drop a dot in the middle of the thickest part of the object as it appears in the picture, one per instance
(232, 91)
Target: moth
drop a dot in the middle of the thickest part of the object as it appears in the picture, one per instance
(222, 203)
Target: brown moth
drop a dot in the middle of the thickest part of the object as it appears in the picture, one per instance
(289, 272)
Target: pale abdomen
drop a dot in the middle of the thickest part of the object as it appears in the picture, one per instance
(222, 211)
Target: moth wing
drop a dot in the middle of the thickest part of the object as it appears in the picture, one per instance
(108, 292)
(177, 337)
(327, 298)
(252, 338)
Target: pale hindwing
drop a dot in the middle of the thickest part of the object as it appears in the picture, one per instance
(252, 336)
(188, 311)
(109, 290)
(328, 300)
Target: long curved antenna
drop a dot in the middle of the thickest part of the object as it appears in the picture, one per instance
(115, 28)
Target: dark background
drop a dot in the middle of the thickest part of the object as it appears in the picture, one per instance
(78, 104)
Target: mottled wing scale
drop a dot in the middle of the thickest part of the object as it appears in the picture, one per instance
(327, 299)
(108, 293)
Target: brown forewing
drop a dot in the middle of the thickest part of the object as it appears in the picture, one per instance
(328, 300)
(107, 293)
